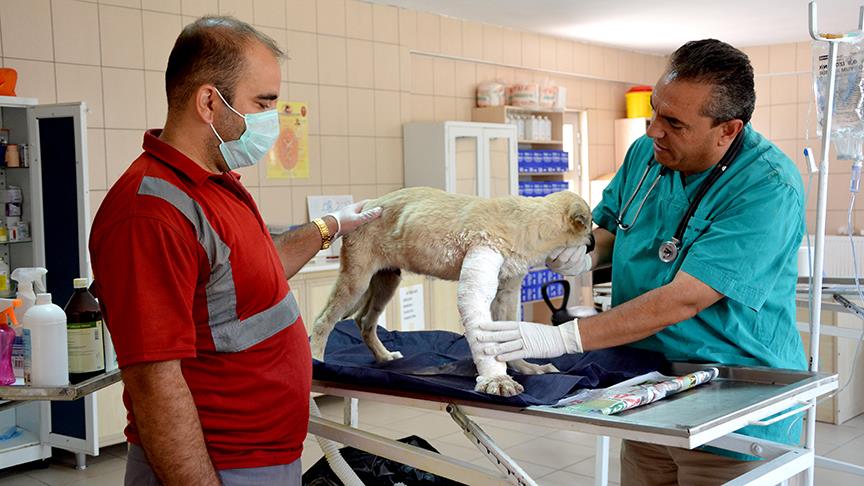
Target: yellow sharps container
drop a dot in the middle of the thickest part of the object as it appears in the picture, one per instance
(639, 102)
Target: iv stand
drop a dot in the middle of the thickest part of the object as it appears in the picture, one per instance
(821, 208)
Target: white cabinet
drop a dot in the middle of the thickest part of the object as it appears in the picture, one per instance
(477, 159)
(627, 131)
(56, 204)
(837, 354)
(313, 284)
(111, 419)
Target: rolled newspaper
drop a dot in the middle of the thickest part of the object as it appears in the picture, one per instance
(618, 398)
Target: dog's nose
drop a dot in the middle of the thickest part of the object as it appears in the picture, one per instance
(590, 245)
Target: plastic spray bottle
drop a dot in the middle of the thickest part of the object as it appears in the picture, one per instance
(7, 339)
(30, 280)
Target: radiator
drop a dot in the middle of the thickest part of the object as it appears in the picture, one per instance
(838, 256)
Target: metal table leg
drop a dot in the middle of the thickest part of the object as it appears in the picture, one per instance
(350, 412)
(601, 461)
(490, 449)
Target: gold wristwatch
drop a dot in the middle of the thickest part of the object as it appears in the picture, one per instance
(326, 237)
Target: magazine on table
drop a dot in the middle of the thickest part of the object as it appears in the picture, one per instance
(635, 392)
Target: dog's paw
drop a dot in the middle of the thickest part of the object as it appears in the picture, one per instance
(547, 368)
(525, 368)
(501, 385)
(317, 353)
(388, 356)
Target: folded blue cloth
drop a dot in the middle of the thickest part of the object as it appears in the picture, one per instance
(439, 363)
(10, 433)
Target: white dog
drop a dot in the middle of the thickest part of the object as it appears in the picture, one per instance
(486, 244)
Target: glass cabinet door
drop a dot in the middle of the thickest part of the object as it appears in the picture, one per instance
(466, 162)
(503, 170)
(482, 160)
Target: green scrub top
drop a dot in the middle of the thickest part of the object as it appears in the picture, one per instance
(742, 241)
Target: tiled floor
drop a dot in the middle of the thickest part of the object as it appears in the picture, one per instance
(552, 457)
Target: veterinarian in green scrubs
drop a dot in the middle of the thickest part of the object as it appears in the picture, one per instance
(707, 278)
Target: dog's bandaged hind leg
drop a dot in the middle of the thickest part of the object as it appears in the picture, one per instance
(478, 284)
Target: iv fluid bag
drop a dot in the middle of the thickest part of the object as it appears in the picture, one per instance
(847, 130)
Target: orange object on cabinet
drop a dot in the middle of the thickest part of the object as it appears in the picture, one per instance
(8, 78)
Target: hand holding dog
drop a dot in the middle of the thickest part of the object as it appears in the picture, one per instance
(352, 217)
(569, 260)
(510, 340)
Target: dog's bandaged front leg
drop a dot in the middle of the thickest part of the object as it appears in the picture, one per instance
(478, 284)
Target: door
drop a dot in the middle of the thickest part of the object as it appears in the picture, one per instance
(72, 426)
(573, 133)
(575, 144)
(501, 171)
(463, 150)
(61, 216)
(60, 226)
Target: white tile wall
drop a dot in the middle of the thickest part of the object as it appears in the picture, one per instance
(77, 82)
(349, 60)
(76, 32)
(122, 40)
(160, 31)
(26, 29)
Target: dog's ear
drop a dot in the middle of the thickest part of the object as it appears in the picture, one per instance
(580, 216)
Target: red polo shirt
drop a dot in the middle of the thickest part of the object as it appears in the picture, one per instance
(185, 269)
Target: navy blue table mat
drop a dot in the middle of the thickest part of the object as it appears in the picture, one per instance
(439, 363)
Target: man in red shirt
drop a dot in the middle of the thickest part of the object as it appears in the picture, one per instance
(213, 351)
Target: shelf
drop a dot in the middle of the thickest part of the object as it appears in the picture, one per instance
(523, 109)
(533, 109)
(318, 264)
(12, 242)
(26, 439)
(17, 102)
(66, 393)
(541, 142)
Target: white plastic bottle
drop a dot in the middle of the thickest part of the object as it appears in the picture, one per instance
(49, 358)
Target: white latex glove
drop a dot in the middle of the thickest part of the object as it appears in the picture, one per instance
(509, 340)
(569, 260)
(352, 217)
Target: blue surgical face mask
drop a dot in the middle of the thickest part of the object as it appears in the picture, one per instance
(262, 130)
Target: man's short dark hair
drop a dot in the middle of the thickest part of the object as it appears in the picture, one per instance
(211, 50)
(717, 63)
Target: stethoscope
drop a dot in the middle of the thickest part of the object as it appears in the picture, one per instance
(669, 249)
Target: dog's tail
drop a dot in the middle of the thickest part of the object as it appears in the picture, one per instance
(361, 305)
